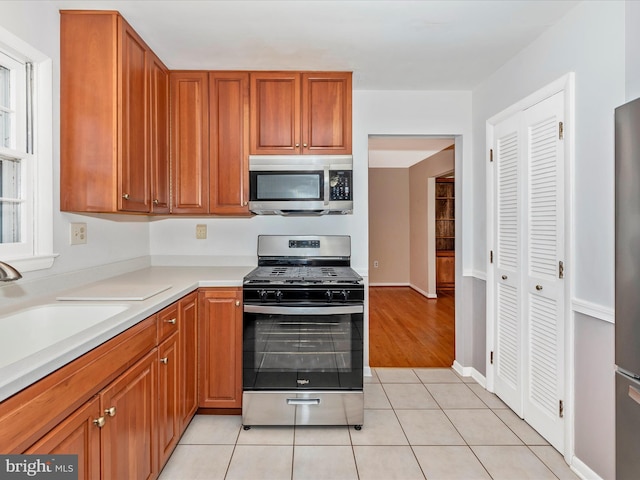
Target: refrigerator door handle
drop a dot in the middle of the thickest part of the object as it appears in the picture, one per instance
(634, 394)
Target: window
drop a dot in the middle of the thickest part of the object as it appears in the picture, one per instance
(25, 155)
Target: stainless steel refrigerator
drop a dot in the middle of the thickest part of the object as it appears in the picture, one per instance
(627, 288)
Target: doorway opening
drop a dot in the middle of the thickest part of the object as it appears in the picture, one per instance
(411, 253)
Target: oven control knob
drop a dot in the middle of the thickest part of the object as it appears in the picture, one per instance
(262, 294)
(345, 295)
(328, 295)
(278, 296)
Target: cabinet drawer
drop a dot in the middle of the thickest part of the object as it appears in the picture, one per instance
(167, 322)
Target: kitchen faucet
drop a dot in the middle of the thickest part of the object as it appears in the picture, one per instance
(8, 273)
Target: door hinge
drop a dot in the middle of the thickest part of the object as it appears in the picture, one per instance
(560, 269)
(561, 130)
(491, 357)
(491, 154)
(490, 256)
(560, 408)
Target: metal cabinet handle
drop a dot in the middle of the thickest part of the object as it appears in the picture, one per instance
(538, 287)
(125, 196)
(297, 145)
(504, 277)
(164, 360)
(99, 422)
(171, 321)
(237, 303)
(304, 145)
(110, 411)
(156, 201)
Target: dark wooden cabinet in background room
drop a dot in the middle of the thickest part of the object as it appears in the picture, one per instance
(445, 233)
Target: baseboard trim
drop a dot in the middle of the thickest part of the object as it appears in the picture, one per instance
(582, 470)
(423, 293)
(470, 372)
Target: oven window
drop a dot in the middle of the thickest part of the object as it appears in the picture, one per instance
(288, 186)
(303, 344)
(302, 351)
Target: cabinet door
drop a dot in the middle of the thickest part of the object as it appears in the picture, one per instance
(76, 435)
(326, 113)
(129, 447)
(134, 163)
(88, 118)
(159, 135)
(229, 143)
(220, 336)
(188, 397)
(168, 375)
(190, 142)
(275, 113)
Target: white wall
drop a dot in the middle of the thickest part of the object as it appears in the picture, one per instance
(111, 238)
(590, 41)
(632, 32)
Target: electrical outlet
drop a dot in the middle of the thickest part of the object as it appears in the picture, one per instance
(375, 264)
(78, 233)
(201, 231)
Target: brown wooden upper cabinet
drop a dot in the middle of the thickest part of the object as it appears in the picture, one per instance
(190, 142)
(210, 142)
(300, 113)
(113, 117)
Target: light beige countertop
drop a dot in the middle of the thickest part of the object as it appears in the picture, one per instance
(156, 288)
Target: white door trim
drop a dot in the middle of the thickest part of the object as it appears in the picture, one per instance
(566, 83)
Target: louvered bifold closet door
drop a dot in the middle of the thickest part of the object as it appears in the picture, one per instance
(544, 298)
(507, 255)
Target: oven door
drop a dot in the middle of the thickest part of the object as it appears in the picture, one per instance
(302, 348)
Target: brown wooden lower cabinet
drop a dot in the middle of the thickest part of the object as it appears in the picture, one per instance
(128, 435)
(127, 402)
(188, 394)
(79, 435)
(220, 339)
(168, 387)
(445, 270)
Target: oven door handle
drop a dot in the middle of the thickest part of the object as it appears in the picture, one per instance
(347, 309)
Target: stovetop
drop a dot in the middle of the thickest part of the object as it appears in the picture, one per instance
(296, 274)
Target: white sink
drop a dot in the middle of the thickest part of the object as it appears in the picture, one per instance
(28, 331)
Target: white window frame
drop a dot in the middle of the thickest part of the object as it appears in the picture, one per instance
(36, 250)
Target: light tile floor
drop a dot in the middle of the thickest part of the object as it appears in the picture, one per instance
(419, 423)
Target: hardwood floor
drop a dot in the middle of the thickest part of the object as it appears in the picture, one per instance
(407, 329)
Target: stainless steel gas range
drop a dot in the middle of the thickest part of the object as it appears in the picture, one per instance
(303, 334)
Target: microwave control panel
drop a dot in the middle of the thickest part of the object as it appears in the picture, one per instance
(340, 186)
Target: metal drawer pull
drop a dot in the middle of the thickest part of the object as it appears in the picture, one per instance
(172, 321)
(634, 394)
(538, 287)
(164, 360)
(303, 401)
(504, 277)
(99, 422)
(110, 411)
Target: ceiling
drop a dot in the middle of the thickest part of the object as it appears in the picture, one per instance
(389, 45)
(403, 151)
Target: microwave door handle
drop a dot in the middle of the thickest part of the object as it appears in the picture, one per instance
(300, 213)
(327, 185)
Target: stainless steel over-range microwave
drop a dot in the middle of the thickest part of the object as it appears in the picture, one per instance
(300, 184)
